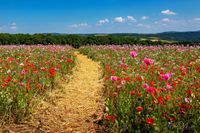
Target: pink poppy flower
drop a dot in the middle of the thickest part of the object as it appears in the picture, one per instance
(23, 72)
(166, 76)
(113, 78)
(146, 86)
(188, 100)
(133, 54)
(169, 87)
(148, 61)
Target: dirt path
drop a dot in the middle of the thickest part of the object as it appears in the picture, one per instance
(77, 105)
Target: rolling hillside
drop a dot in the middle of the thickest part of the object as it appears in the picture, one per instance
(172, 36)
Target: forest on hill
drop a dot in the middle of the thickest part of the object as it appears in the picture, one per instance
(99, 39)
(188, 36)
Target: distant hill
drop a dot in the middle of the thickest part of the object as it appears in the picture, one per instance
(189, 36)
(171, 36)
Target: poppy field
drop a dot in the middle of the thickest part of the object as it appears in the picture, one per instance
(27, 72)
(150, 88)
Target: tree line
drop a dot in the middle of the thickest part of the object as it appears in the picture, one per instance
(74, 40)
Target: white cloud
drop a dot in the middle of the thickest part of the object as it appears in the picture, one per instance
(131, 19)
(119, 19)
(144, 17)
(13, 26)
(103, 21)
(79, 25)
(168, 12)
(143, 26)
(196, 19)
(165, 20)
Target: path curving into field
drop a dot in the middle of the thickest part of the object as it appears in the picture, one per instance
(76, 106)
(80, 102)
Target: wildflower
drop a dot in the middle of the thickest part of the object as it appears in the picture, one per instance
(139, 109)
(23, 72)
(106, 78)
(108, 68)
(124, 66)
(189, 92)
(169, 87)
(21, 84)
(35, 71)
(132, 93)
(32, 66)
(168, 97)
(10, 59)
(52, 72)
(42, 68)
(28, 86)
(113, 78)
(198, 70)
(146, 86)
(148, 61)
(8, 79)
(69, 61)
(172, 118)
(21, 64)
(184, 106)
(150, 121)
(151, 90)
(111, 117)
(150, 109)
(160, 100)
(115, 94)
(133, 54)
(127, 79)
(8, 72)
(139, 94)
(123, 82)
(166, 76)
(188, 100)
(113, 72)
(15, 80)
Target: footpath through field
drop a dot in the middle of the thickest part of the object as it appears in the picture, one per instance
(77, 106)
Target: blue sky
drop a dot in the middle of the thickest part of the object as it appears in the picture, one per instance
(98, 16)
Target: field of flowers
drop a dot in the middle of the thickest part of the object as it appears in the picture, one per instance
(27, 72)
(150, 88)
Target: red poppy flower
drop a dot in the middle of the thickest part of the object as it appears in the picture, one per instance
(139, 94)
(150, 121)
(52, 72)
(198, 70)
(111, 117)
(132, 93)
(189, 92)
(113, 72)
(69, 61)
(106, 78)
(108, 68)
(139, 109)
(8, 79)
(168, 97)
(172, 118)
(10, 59)
(160, 100)
(127, 79)
(32, 66)
(28, 87)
